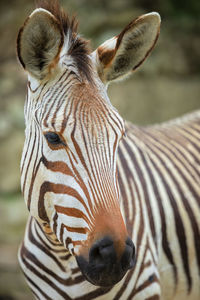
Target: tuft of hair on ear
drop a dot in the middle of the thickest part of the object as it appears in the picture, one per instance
(79, 48)
(53, 6)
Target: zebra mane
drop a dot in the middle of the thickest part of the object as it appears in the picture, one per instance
(78, 47)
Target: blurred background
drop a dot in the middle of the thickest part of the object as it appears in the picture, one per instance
(166, 86)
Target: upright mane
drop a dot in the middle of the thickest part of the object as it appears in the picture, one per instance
(78, 47)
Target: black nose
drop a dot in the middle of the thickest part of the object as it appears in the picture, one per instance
(104, 267)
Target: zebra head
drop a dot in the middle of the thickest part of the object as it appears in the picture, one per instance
(68, 166)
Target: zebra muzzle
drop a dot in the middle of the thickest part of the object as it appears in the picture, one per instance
(104, 267)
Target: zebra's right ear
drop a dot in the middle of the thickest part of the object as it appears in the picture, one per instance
(39, 43)
(119, 56)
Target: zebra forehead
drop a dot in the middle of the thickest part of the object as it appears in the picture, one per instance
(84, 104)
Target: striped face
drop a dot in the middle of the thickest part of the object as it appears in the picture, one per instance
(68, 169)
(69, 175)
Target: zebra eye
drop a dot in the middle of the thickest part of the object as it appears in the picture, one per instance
(53, 138)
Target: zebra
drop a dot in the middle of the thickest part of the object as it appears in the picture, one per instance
(114, 207)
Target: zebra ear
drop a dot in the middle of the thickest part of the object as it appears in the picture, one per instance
(39, 43)
(122, 54)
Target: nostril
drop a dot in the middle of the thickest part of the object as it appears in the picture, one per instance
(102, 251)
(94, 253)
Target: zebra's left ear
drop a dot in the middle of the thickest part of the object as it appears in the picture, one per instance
(39, 43)
(122, 54)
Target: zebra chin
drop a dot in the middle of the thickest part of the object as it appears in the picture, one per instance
(103, 267)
